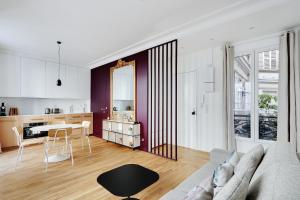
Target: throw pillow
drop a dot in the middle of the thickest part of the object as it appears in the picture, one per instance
(233, 159)
(221, 176)
(203, 191)
(249, 162)
(235, 189)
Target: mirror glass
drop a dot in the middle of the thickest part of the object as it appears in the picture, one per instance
(123, 93)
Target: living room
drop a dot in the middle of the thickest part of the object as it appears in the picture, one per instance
(150, 99)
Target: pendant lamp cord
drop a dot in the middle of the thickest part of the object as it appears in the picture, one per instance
(58, 60)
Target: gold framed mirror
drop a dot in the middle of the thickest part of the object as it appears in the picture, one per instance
(123, 91)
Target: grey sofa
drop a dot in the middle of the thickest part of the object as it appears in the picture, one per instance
(276, 178)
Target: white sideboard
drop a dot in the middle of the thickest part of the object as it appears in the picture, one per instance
(124, 133)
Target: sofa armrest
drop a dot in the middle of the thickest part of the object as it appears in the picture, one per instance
(218, 155)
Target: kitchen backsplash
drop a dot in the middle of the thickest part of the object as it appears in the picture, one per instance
(36, 106)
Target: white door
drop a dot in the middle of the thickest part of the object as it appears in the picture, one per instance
(187, 114)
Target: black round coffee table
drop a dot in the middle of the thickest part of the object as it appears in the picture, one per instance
(127, 180)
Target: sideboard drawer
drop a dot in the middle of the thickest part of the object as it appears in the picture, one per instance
(119, 138)
(131, 129)
(128, 129)
(105, 135)
(112, 136)
(116, 127)
(131, 141)
(106, 125)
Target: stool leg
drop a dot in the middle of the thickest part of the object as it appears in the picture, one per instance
(71, 153)
(18, 156)
(88, 139)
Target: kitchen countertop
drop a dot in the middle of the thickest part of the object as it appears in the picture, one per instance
(47, 114)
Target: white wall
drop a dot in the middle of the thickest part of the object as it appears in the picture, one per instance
(203, 131)
(36, 106)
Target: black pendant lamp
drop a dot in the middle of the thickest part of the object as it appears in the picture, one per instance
(58, 82)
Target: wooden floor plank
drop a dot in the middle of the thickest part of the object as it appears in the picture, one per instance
(62, 181)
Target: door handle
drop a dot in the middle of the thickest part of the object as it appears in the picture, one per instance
(194, 112)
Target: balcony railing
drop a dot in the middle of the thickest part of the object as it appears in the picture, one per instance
(267, 126)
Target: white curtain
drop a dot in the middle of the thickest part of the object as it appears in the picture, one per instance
(228, 97)
(289, 90)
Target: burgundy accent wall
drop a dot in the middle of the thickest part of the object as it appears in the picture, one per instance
(100, 94)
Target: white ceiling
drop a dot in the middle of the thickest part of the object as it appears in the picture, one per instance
(93, 29)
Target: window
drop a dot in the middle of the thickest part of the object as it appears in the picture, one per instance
(242, 96)
(268, 80)
(256, 79)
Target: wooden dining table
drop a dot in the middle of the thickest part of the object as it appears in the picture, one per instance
(59, 156)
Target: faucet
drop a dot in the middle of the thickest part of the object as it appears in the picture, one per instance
(71, 108)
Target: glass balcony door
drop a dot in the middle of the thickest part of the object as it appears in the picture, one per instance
(256, 80)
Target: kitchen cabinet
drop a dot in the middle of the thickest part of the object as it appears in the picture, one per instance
(7, 137)
(72, 82)
(84, 81)
(34, 78)
(74, 119)
(75, 82)
(33, 74)
(52, 90)
(10, 80)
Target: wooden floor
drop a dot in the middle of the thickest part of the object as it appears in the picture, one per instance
(30, 181)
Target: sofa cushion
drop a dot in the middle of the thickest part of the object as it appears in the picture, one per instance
(221, 176)
(280, 181)
(249, 162)
(174, 195)
(278, 175)
(280, 152)
(203, 191)
(188, 184)
(235, 189)
(197, 177)
(233, 159)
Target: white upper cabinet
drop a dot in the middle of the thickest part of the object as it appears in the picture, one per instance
(72, 83)
(84, 83)
(10, 79)
(33, 75)
(27, 77)
(52, 90)
(75, 82)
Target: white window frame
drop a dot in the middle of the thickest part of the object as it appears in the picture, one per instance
(256, 67)
(243, 53)
(253, 49)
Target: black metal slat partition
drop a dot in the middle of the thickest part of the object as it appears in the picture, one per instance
(162, 100)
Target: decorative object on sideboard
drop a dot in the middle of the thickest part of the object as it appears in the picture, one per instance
(58, 82)
(3, 110)
(13, 111)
